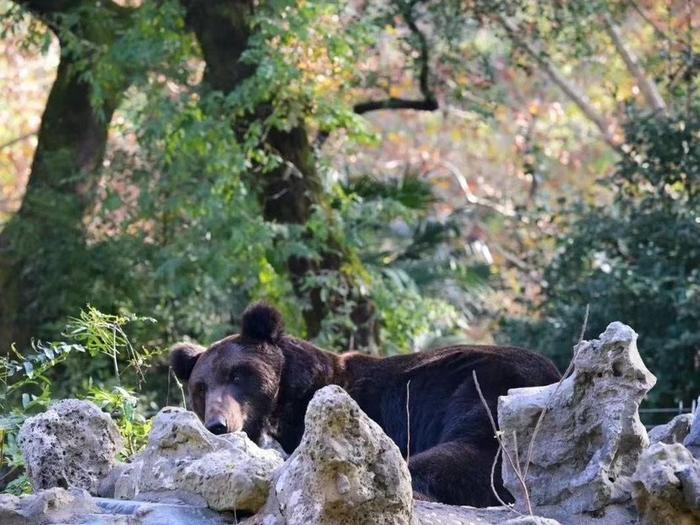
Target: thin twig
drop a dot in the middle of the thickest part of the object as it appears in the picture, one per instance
(649, 21)
(17, 139)
(408, 422)
(493, 484)
(497, 433)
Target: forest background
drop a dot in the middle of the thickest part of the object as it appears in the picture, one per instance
(393, 175)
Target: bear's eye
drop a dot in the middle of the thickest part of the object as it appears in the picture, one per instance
(235, 376)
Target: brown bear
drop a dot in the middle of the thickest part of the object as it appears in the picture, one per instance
(262, 380)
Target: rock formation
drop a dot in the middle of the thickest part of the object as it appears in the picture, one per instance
(692, 440)
(345, 471)
(590, 439)
(229, 472)
(675, 431)
(73, 444)
(591, 463)
(666, 486)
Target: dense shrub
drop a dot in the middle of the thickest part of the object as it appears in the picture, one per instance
(635, 259)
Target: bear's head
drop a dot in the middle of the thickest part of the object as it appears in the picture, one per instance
(233, 385)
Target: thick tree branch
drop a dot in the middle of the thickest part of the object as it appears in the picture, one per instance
(646, 85)
(567, 87)
(429, 101)
(395, 103)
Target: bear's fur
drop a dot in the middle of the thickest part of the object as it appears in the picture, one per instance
(262, 380)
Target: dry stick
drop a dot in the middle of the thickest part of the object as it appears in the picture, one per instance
(408, 422)
(493, 485)
(516, 468)
(568, 370)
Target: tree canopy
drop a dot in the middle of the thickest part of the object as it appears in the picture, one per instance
(391, 175)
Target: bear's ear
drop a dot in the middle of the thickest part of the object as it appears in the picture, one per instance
(183, 357)
(262, 322)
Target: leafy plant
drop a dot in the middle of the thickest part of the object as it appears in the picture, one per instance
(27, 384)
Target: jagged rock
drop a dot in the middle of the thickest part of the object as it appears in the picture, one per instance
(692, 440)
(345, 471)
(72, 444)
(675, 431)
(229, 472)
(591, 436)
(666, 486)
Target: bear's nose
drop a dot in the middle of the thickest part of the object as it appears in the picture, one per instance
(217, 426)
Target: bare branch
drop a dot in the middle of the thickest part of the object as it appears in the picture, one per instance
(569, 90)
(395, 103)
(429, 101)
(647, 86)
(17, 139)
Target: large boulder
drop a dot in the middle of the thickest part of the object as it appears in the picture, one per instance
(675, 431)
(228, 472)
(666, 486)
(591, 438)
(345, 471)
(72, 444)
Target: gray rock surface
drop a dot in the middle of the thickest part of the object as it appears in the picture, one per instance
(591, 437)
(345, 471)
(228, 472)
(429, 513)
(72, 444)
(675, 431)
(666, 486)
(692, 440)
(530, 520)
(76, 507)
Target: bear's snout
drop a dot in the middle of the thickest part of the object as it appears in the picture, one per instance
(217, 426)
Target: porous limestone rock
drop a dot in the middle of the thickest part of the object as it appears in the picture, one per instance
(666, 486)
(229, 471)
(72, 444)
(692, 440)
(590, 439)
(675, 431)
(345, 471)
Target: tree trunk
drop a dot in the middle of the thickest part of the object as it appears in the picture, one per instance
(36, 281)
(289, 192)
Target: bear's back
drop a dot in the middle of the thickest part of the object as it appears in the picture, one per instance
(434, 391)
